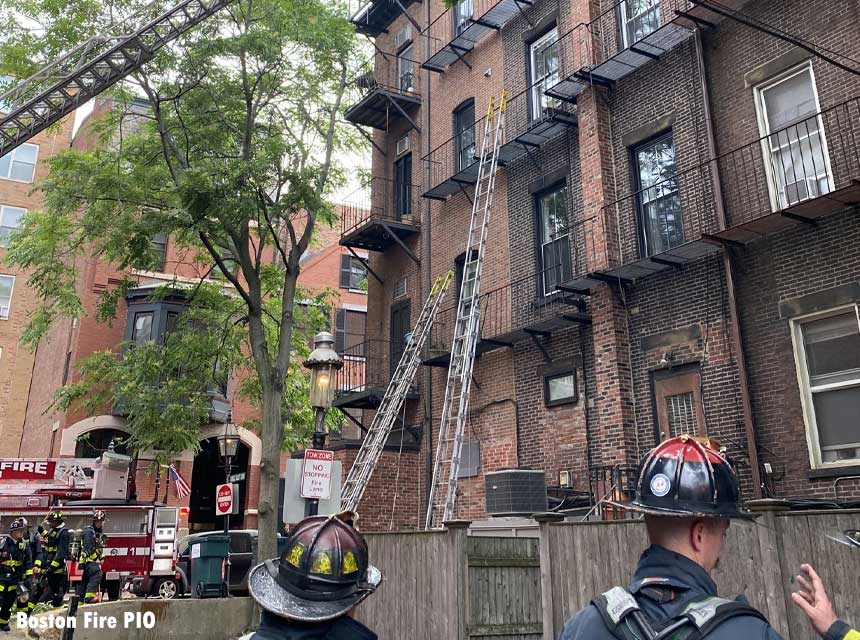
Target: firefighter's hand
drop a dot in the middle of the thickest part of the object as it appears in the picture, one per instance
(813, 601)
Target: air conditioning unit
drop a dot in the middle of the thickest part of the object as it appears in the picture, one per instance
(515, 492)
(400, 288)
(801, 190)
(402, 145)
(4, 312)
(403, 36)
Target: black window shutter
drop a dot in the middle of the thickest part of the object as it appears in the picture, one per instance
(339, 329)
(345, 270)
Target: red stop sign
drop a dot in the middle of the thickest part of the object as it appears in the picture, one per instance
(224, 499)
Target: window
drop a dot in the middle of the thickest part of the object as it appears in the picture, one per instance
(463, 11)
(20, 163)
(349, 327)
(464, 134)
(403, 187)
(240, 543)
(405, 76)
(828, 359)
(639, 18)
(460, 271)
(658, 200)
(554, 239)
(560, 388)
(543, 61)
(142, 328)
(6, 285)
(678, 402)
(159, 250)
(795, 150)
(352, 272)
(10, 219)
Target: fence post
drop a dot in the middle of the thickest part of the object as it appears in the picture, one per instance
(772, 555)
(545, 520)
(458, 531)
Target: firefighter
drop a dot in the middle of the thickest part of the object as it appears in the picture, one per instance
(27, 590)
(56, 552)
(90, 559)
(13, 563)
(323, 573)
(688, 493)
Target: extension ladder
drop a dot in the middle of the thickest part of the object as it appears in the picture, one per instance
(395, 394)
(443, 488)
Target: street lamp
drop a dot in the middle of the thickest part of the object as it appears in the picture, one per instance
(323, 362)
(228, 445)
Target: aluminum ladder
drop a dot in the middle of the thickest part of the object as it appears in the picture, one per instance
(395, 394)
(443, 488)
(92, 67)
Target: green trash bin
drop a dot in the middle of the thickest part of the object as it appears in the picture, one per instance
(208, 554)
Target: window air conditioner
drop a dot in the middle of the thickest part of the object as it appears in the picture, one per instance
(402, 145)
(801, 190)
(4, 312)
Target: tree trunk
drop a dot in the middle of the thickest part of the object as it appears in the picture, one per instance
(270, 466)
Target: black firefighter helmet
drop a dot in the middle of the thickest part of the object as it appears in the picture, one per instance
(323, 572)
(687, 477)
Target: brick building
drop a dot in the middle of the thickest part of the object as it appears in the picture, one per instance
(74, 432)
(673, 245)
(19, 170)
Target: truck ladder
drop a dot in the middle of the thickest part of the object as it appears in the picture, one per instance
(395, 394)
(443, 488)
(89, 69)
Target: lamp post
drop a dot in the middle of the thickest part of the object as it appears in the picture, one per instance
(228, 445)
(323, 362)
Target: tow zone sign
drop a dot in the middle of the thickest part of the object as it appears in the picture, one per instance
(316, 474)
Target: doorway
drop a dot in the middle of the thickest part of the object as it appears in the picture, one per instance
(207, 474)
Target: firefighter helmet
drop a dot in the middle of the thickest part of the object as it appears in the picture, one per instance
(98, 514)
(54, 516)
(17, 525)
(323, 572)
(687, 477)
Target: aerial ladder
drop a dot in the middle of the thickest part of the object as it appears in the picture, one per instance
(91, 68)
(467, 327)
(395, 394)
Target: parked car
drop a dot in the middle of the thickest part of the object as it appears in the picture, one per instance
(243, 556)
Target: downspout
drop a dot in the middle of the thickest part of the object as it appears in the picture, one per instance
(427, 385)
(737, 339)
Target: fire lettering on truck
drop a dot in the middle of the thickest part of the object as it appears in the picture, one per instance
(26, 469)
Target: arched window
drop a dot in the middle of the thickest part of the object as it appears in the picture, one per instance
(94, 443)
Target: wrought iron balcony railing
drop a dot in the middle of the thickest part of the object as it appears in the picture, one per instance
(458, 30)
(528, 306)
(383, 93)
(532, 119)
(797, 174)
(367, 369)
(388, 213)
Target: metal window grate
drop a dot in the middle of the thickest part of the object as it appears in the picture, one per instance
(681, 413)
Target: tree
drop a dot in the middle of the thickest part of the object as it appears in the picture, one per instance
(232, 154)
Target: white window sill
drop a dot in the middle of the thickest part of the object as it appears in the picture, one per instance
(17, 180)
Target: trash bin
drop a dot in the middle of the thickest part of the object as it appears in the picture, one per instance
(208, 554)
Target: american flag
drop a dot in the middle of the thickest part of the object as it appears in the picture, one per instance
(182, 488)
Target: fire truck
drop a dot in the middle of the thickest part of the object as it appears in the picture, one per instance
(140, 543)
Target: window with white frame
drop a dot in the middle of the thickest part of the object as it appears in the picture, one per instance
(543, 72)
(7, 283)
(20, 163)
(462, 15)
(639, 19)
(10, 219)
(405, 75)
(554, 232)
(828, 360)
(793, 143)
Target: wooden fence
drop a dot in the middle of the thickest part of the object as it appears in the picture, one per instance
(448, 585)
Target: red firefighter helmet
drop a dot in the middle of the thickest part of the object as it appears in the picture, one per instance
(687, 477)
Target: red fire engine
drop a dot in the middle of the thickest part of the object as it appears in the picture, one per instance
(141, 537)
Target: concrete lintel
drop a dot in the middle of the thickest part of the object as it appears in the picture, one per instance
(649, 130)
(771, 68)
(664, 339)
(820, 300)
